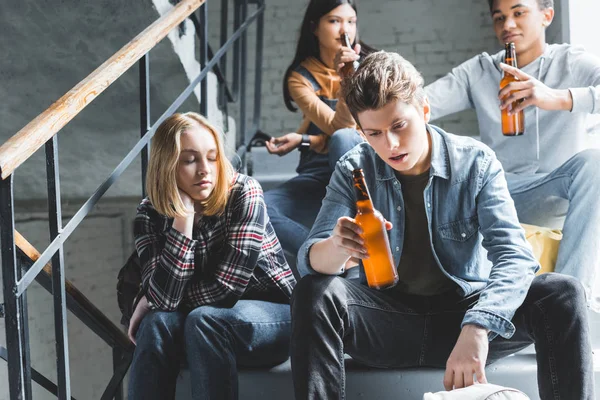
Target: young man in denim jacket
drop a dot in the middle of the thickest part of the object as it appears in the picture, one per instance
(447, 208)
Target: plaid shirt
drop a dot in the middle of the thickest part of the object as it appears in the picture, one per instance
(231, 256)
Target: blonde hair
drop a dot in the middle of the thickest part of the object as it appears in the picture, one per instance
(161, 179)
(381, 78)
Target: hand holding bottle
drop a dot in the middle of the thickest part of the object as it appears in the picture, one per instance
(346, 59)
(532, 93)
(346, 237)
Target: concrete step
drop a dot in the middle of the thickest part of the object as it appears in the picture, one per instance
(271, 170)
(517, 371)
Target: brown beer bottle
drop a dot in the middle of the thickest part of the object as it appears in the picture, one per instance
(350, 67)
(379, 267)
(512, 125)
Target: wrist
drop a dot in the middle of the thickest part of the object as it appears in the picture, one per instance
(472, 328)
(567, 100)
(304, 143)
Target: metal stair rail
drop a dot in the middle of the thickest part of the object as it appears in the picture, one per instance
(22, 263)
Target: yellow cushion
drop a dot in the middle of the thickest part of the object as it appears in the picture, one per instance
(545, 242)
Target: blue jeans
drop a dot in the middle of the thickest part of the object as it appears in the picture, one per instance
(570, 193)
(213, 341)
(386, 329)
(293, 206)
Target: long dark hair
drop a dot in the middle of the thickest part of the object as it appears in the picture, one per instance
(308, 44)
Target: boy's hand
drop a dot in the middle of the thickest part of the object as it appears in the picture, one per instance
(532, 92)
(467, 358)
(346, 237)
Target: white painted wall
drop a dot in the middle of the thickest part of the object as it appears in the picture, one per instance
(583, 22)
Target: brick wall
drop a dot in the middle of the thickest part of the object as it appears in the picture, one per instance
(435, 35)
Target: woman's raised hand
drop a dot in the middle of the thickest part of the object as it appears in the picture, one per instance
(344, 55)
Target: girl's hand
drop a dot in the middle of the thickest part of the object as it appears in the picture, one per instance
(187, 201)
(344, 55)
(284, 144)
(140, 312)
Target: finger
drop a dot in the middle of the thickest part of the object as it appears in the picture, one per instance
(520, 95)
(468, 378)
(350, 224)
(448, 378)
(352, 241)
(388, 225)
(459, 381)
(515, 96)
(357, 48)
(353, 249)
(349, 56)
(515, 71)
(512, 87)
(480, 375)
(271, 148)
(131, 330)
(521, 106)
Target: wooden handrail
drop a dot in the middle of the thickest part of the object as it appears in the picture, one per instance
(28, 140)
(116, 334)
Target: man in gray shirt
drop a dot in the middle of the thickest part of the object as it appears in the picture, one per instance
(550, 173)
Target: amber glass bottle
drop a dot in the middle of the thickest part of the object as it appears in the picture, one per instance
(512, 125)
(379, 267)
(350, 67)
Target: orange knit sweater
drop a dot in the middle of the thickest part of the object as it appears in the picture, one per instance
(313, 108)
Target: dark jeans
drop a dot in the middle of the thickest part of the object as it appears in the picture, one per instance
(294, 205)
(333, 316)
(213, 341)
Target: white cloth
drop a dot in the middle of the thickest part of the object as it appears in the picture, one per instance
(483, 391)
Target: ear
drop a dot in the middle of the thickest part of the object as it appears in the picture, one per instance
(548, 16)
(426, 110)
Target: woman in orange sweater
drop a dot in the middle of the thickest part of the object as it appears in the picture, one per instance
(327, 131)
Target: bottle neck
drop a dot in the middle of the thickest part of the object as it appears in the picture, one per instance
(365, 206)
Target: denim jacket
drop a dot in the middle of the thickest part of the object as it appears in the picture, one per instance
(474, 232)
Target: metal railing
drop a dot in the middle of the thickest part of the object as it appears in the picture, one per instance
(22, 264)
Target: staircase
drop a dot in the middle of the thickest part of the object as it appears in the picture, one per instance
(140, 90)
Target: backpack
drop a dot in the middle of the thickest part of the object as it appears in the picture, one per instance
(129, 282)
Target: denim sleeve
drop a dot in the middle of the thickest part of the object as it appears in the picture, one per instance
(338, 202)
(513, 262)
